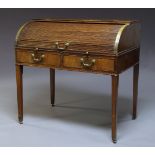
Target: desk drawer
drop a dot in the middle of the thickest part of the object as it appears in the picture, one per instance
(88, 63)
(38, 58)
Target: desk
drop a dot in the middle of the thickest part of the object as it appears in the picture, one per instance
(97, 46)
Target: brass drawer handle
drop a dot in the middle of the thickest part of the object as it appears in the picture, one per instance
(37, 58)
(87, 62)
(61, 48)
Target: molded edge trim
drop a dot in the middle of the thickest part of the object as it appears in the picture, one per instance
(20, 29)
(117, 40)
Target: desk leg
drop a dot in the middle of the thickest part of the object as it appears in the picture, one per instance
(19, 80)
(52, 85)
(135, 90)
(115, 81)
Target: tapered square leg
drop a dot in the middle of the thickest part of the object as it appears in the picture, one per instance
(19, 80)
(135, 90)
(52, 85)
(115, 82)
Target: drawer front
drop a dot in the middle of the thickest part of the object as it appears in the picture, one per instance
(91, 63)
(39, 58)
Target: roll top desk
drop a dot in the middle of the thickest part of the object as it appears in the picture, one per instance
(97, 46)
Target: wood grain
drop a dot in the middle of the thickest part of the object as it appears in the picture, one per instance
(51, 59)
(135, 90)
(89, 36)
(115, 82)
(101, 64)
(126, 60)
(19, 81)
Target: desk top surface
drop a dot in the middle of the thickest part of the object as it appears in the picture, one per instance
(97, 21)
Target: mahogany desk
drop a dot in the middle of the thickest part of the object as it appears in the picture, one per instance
(97, 46)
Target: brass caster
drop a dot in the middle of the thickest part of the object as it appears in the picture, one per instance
(20, 120)
(133, 117)
(114, 141)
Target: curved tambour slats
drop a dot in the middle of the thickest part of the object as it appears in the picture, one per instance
(130, 37)
(100, 37)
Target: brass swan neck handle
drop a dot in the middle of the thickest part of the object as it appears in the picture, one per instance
(57, 45)
(37, 58)
(87, 62)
